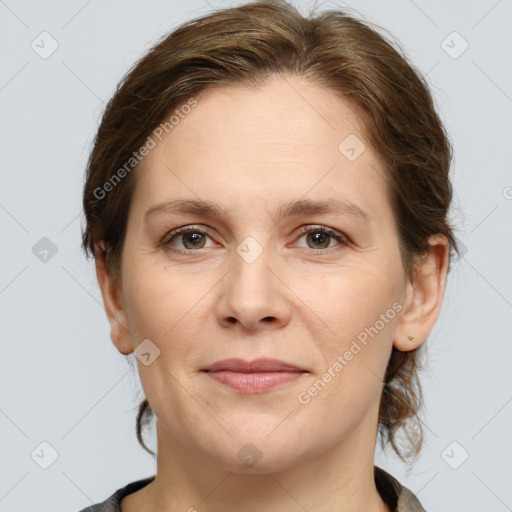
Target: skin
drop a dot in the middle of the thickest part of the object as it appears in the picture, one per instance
(301, 301)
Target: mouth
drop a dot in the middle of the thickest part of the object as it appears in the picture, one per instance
(255, 376)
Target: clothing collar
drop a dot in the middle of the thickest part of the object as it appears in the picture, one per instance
(396, 496)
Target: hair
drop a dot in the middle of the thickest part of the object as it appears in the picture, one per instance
(245, 46)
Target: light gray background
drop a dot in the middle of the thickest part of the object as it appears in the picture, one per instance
(62, 380)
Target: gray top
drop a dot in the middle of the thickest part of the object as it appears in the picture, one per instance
(395, 495)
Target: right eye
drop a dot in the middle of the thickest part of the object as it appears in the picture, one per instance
(192, 238)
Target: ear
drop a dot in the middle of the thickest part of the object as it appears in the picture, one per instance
(111, 290)
(424, 296)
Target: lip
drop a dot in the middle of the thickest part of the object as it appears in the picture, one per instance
(257, 366)
(255, 376)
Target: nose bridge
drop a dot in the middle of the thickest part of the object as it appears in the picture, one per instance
(251, 292)
(251, 274)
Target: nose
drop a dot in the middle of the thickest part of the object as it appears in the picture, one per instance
(253, 295)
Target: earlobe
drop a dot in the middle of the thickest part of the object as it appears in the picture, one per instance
(110, 287)
(423, 296)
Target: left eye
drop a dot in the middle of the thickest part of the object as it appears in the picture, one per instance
(195, 238)
(322, 236)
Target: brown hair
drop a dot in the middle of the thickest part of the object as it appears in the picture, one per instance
(246, 45)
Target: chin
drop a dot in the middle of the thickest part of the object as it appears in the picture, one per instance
(258, 447)
(253, 459)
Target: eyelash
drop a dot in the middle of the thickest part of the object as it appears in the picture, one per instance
(342, 239)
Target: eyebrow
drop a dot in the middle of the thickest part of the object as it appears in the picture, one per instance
(291, 208)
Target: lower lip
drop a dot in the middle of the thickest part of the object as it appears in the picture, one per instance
(254, 382)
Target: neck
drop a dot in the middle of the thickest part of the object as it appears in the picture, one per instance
(341, 478)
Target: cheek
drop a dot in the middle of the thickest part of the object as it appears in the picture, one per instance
(361, 311)
(352, 363)
(356, 299)
(159, 302)
(162, 312)
(169, 310)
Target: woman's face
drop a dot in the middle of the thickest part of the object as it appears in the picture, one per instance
(247, 282)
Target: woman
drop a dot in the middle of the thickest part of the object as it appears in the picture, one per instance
(266, 201)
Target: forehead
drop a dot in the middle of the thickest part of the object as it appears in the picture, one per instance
(282, 114)
(284, 139)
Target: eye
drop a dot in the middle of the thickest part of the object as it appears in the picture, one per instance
(320, 237)
(192, 238)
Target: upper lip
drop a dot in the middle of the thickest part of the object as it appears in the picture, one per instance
(255, 366)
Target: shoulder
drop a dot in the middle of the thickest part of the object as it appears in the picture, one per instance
(398, 497)
(113, 502)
